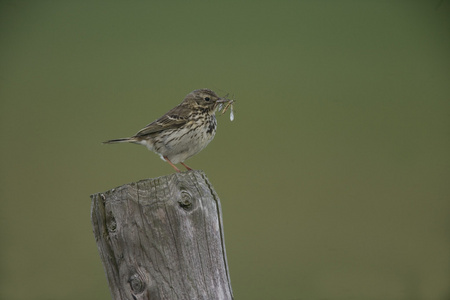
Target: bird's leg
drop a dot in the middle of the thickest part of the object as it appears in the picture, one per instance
(173, 166)
(189, 169)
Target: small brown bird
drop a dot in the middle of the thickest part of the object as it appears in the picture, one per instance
(183, 131)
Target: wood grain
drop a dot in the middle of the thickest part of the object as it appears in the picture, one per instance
(163, 238)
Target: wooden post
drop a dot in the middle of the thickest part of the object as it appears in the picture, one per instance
(162, 238)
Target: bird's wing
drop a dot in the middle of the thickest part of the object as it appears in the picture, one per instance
(175, 118)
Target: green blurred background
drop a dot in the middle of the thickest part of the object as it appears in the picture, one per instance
(334, 176)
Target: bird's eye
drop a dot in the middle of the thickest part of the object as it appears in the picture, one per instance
(207, 98)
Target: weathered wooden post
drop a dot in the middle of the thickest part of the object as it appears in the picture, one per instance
(163, 238)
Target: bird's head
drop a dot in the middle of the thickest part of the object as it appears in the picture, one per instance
(203, 100)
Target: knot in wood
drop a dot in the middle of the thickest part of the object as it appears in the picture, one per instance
(185, 200)
(136, 283)
(111, 223)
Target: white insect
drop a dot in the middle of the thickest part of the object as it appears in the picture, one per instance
(225, 107)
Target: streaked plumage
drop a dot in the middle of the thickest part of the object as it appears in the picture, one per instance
(183, 131)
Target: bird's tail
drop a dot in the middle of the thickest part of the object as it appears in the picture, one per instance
(124, 140)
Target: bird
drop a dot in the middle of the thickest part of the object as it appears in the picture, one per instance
(183, 131)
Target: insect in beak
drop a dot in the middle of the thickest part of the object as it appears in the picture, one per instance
(228, 104)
